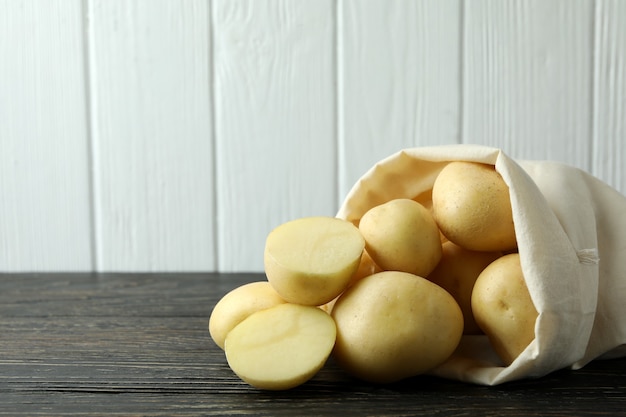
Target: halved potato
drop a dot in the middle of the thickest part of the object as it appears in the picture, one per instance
(237, 305)
(311, 260)
(281, 347)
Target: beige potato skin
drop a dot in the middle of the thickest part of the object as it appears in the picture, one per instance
(503, 307)
(472, 207)
(281, 347)
(457, 272)
(401, 235)
(237, 305)
(311, 260)
(367, 267)
(393, 325)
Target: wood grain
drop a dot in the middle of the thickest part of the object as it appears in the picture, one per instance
(137, 344)
(527, 78)
(399, 80)
(44, 168)
(275, 112)
(152, 135)
(609, 111)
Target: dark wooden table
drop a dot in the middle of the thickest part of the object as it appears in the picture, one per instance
(138, 344)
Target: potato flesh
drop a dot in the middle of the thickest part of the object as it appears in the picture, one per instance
(401, 235)
(281, 347)
(311, 260)
(237, 305)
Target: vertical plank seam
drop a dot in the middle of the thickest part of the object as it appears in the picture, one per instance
(592, 148)
(339, 115)
(461, 104)
(90, 134)
(214, 147)
(337, 103)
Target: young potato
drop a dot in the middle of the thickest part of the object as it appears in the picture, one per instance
(503, 308)
(237, 305)
(311, 260)
(393, 325)
(281, 347)
(472, 207)
(366, 268)
(457, 272)
(401, 235)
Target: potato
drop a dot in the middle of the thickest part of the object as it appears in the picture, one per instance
(401, 235)
(237, 305)
(457, 272)
(472, 207)
(366, 268)
(281, 347)
(393, 325)
(503, 307)
(311, 260)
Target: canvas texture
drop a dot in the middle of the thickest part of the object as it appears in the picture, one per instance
(571, 233)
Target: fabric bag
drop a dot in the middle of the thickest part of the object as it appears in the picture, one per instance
(571, 233)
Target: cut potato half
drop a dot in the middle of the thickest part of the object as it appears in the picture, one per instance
(237, 305)
(281, 347)
(311, 260)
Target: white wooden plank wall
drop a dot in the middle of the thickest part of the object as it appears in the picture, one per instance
(159, 135)
(399, 79)
(275, 120)
(609, 99)
(151, 135)
(527, 74)
(44, 171)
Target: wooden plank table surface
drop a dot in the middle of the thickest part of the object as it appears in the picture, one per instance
(138, 344)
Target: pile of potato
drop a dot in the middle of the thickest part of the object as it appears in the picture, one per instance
(389, 298)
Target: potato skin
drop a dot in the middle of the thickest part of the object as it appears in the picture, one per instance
(401, 235)
(503, 307)
(457, 272)
(472, 207)
(237, 305)
(393, 325)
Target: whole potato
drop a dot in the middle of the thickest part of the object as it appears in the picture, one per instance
(366, 268)
(401, 235)
(393, 325)
(472, 207)
(503, 307)
(457, 272)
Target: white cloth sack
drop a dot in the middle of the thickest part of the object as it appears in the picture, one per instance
(571, 233)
